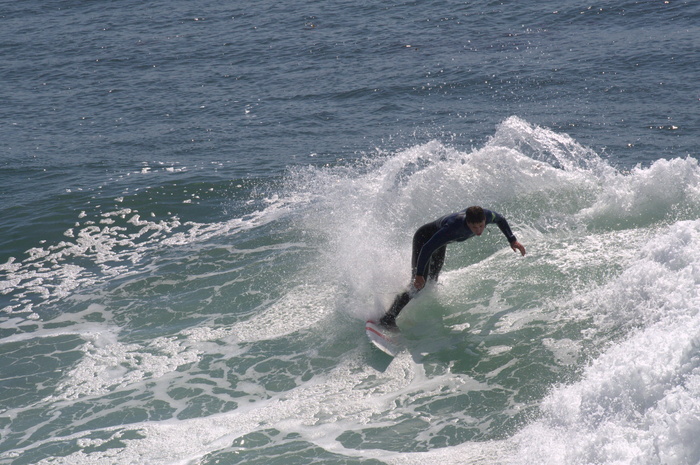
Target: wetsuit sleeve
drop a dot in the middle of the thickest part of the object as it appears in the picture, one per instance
(439, 239)
(502, 225)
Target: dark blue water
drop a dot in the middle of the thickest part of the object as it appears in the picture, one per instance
(201, 202)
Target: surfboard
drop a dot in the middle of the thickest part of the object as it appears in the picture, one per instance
(382, 338)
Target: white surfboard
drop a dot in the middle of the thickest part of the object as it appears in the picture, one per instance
(383, 339)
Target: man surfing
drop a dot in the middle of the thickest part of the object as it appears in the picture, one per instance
(429, 246)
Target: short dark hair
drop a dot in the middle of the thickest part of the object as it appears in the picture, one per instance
(475, 215)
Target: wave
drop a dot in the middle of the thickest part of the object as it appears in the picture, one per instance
(639, 400)
(584, 351)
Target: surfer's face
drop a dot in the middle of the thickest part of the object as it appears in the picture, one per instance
(477, 228)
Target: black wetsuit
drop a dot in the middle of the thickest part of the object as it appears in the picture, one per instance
(429, 245)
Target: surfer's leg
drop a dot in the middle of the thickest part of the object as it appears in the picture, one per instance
(421, 236)
(436, 262)
(389, 318)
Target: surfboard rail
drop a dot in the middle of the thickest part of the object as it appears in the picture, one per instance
(382, 338)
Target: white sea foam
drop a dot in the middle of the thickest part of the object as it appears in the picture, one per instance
(109, 365)
(338, 403)
(52, 272)
(639, 401)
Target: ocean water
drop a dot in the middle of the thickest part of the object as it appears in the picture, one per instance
(201, 203)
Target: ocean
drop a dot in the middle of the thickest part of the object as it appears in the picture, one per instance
(202, 202)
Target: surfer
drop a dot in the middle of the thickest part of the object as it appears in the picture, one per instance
(430, 243)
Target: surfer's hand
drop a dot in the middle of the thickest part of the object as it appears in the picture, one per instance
(515, 245)
(419, 282)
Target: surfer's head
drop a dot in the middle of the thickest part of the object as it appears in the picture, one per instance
(475, 215)
(476, 219)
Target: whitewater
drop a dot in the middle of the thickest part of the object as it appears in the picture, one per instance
(140, 337)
